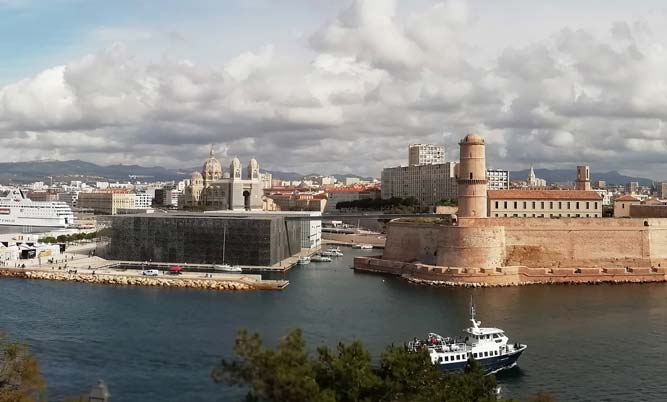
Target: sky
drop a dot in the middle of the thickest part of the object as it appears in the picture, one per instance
(335, 86)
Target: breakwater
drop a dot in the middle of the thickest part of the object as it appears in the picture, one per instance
(130, 279)
(507, 276)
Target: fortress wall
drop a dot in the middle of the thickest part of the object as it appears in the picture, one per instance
(462, 246)
(412, 242)
(575, 242)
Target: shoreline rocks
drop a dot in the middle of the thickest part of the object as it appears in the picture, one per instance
(122, 280)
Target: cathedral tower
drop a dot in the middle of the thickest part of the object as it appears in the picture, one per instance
(472, 181)
(583, 178)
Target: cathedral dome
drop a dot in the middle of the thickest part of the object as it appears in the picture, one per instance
(212, 169)
(196, 176)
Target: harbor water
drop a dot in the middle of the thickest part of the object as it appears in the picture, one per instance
(585, 343)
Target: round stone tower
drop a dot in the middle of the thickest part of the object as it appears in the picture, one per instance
(472, 178)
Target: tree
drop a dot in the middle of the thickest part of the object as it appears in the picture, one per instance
(346, 374)
(20, 376)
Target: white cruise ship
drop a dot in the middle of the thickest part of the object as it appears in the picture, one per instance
(17, 210)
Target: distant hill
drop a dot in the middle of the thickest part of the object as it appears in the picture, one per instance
(569, 175)
(26, 172)
(77, 169)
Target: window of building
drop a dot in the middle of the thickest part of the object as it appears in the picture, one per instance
(505, 204)
(588, 205)
(542, 205)
(496, 204)
(596, 205)
(524, 204)
(516, 215)
(551, 205)
(568, 205)
(516, 204)
(577, 204)
(560, 205)
(533, 204)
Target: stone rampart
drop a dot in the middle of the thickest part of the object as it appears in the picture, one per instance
(471, 246)
(407, 241)
(507, 276)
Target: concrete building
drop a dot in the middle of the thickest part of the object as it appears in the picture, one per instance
(257, 240)
(106, 202)
(426, 183)
(498, 179)
(600, 185)
(48, 195)
(214, 190)
(426, 154)
(70, 198)
(583, 182)
(349, 181)
(142, 200)
(663, 191)
(471, 179)
(545, 204)
(622, 205)
(346, 194)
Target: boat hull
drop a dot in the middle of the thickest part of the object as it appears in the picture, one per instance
(488, 364)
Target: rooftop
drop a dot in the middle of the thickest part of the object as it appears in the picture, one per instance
(543, 195)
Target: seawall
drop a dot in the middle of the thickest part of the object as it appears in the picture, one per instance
(135, 280)
(507, 276)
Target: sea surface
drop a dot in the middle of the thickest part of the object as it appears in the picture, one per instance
(585, 343)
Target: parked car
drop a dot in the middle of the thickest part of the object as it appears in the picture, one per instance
(150, 272)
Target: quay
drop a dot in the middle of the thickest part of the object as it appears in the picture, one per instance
(93, 269)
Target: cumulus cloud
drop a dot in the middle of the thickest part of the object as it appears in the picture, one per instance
(368, 82)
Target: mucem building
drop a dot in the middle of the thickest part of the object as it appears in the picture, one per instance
(203, 238)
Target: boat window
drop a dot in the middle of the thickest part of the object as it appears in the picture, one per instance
(495, 335)
(486, 354)
(439, 359)
(474, 355)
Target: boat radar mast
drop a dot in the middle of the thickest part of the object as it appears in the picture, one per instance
(475, 323)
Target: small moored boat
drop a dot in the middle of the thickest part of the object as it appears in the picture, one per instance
(363, 246)
(320, 258)
(303, 260)
(227, 268)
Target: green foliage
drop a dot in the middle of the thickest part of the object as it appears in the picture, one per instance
(449, 202)
(20, 377)
(346, 374)
(395, 205)
(76, 237)
(424, 219)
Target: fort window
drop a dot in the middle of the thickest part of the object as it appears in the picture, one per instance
(470, 175)
(588, 205)
(533, 204)
(568, 205)
(496, 204)
(551, 205)
(596, 205)
(516, 205)
(524, 204)
(560, 205)
(542, 205)
(577, 204)
(505, 204)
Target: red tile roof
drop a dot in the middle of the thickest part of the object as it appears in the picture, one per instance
(543, 195)
(626, 198)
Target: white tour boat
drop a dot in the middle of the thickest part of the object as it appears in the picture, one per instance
(490, 347)
(320, 258)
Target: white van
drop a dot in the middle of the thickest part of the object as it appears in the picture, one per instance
(150, 272)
